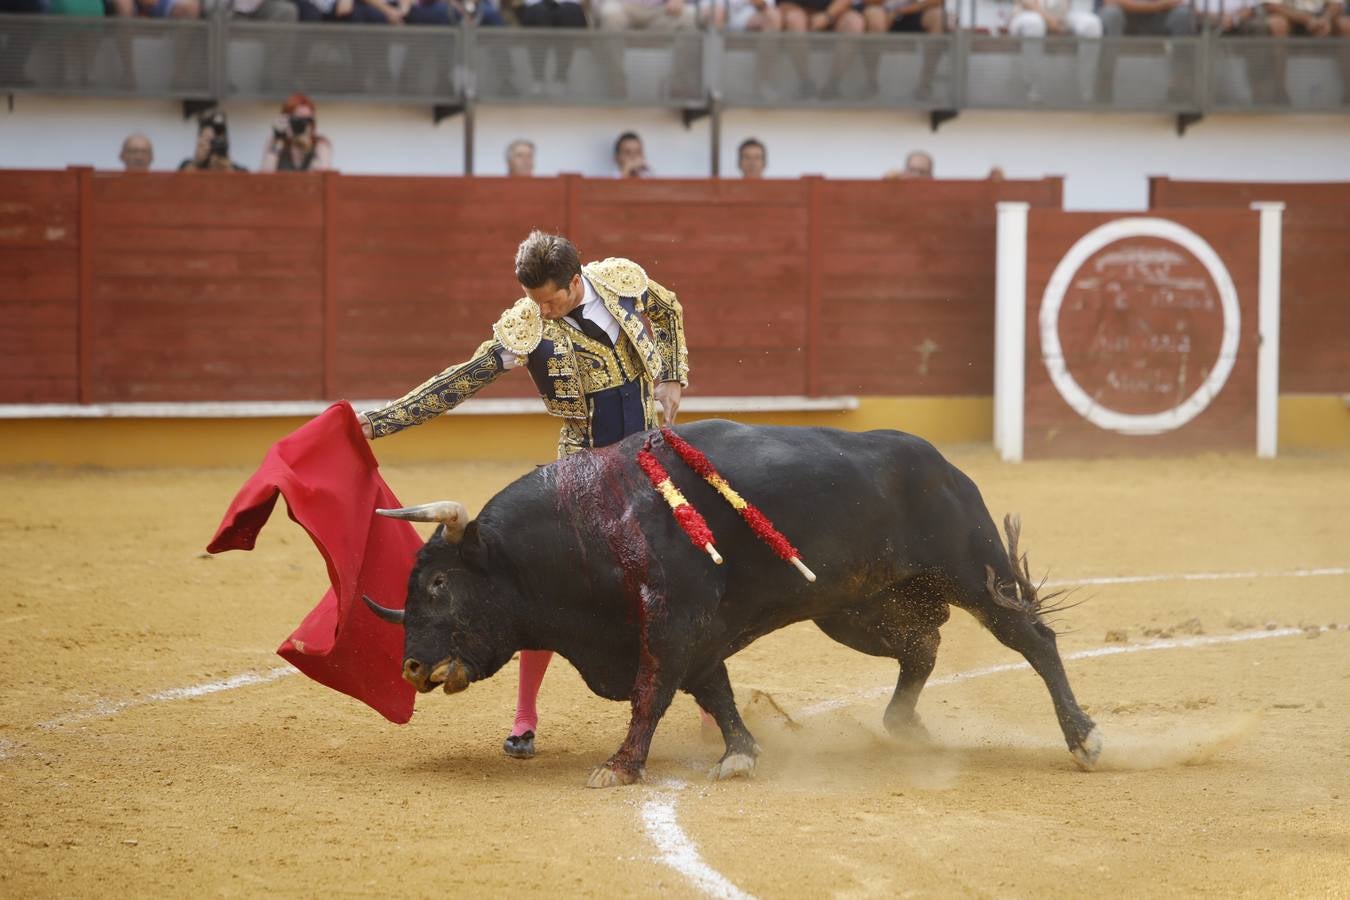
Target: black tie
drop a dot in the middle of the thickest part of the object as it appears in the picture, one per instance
(591, 330)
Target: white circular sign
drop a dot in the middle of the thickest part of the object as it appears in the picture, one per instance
(1052, 352)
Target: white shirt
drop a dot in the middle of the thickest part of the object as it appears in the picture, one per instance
(592, 307)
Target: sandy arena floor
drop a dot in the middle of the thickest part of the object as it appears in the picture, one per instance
(1226, 770)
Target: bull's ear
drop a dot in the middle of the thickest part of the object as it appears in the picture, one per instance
(472, 549)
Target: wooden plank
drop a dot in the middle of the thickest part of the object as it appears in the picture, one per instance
(88, 323)
(815, 280)
(28, 387)
(329, 302)
(279, 263)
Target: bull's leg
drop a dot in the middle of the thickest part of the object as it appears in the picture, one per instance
(901, 623)
(1035, 640)
(652, 694)
(714, 694)
(918, 655)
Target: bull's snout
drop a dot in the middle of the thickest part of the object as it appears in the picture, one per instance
(417, 675)
(450, 673)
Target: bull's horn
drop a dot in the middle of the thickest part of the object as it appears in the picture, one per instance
(394, 616)
(449, 513)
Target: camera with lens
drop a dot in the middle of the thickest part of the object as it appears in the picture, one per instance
(220, 136)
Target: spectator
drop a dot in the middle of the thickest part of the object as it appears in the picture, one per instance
(551, 14)
(630, 160)
(421, 57)
(764, 16)
(213, 146)
(1303, 18)
(752, 158)
(1234, 17)
(520, 158)
(918, 167)
(165, 9)
(841, 17)
(748, 15)
(425, 12)
(995, 173)
(1035, 19)
(1159, 18)
(137, 153)
(654, 15)
(325, 10)
(17, 45)
(907, 17)
(296, 145)
(640, 15)
(263, 10)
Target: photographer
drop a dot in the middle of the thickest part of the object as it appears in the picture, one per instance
(213, 146)
(295, 145)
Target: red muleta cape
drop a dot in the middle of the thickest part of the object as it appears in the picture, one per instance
(332, 486)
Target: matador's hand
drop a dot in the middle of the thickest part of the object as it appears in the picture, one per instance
(366, 427)
(668, 395)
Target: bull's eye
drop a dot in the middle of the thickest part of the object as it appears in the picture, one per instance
(438, 582)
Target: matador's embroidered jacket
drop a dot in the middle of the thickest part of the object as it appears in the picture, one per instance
(601, 393)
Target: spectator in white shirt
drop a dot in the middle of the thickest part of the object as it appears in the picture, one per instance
(1034, 19)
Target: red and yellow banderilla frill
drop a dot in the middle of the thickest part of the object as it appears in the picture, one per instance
(758, 522)
(689, 518)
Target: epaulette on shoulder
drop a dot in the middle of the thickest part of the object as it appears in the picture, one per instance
(520, 327)
(622, 276)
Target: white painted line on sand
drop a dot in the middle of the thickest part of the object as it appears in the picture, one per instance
(675, 848)
(1199, 576)
(1108, 650)
(677, 851)
(105, 708)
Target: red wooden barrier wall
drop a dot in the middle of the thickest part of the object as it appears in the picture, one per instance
(1314, 312)
(39, 287)
(167, 287)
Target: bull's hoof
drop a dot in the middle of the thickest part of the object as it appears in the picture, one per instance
(907, 729)
(607, 777)
(1086, 753)
(733, 765)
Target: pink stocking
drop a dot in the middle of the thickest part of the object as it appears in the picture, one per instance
(533, 665)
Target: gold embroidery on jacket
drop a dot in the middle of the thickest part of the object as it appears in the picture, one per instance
(440, 393)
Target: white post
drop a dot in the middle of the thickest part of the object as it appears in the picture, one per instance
(1268, 331)
(1010, 330)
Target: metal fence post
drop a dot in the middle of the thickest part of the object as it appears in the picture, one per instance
(714, 46)
(960, 65)
(217, 49)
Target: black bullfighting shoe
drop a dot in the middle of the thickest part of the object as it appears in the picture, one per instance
(519, 746)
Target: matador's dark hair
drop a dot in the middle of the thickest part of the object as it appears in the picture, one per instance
(542, 258)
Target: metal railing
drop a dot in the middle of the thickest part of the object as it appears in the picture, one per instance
(455, 67)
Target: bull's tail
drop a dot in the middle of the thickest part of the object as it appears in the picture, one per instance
(1022, 594)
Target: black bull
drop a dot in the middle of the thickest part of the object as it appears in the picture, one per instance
(584, 558)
